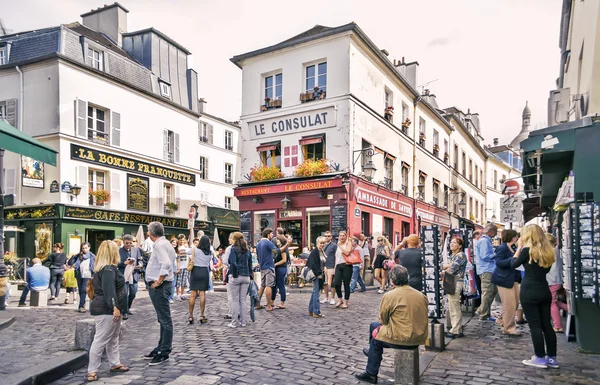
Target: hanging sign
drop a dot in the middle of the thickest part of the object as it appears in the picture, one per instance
(54, 187)
(32, 172)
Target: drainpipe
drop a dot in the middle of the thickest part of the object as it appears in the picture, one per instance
(21, 97)
(414, 165)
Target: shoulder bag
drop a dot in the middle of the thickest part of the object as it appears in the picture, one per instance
(307, 274)
(190, 265)
(354, 257)
(449, 283)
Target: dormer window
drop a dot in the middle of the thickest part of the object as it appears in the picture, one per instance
(96, 59)
(165, 90)
(3, 55)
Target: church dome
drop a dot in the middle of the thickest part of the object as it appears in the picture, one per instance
(526, 110)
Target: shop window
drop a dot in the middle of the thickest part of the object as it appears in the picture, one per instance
(313, 147)
(270, 154)
(96, 184)
(317, 223)
(262, 220)
(290, 156)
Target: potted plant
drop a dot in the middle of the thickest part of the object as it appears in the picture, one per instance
(171, 206)
(406, 123)
(472, 217)
(436, 149)
(102, 196)
(260, 173)
(312, 167)
(446, 156)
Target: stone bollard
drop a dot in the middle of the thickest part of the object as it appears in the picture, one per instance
(368, 278)
(436, 340)
(84, 334)
(406, 367)
(39, 298)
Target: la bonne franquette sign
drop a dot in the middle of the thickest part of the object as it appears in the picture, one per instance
(293, 123)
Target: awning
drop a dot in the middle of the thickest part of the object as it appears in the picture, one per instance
(268, 146)
(312, 139)
(532, 208)
(16, 141)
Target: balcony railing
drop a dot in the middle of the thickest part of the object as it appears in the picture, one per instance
(98, 136)
(387, 183)
(270, 104)
(229, 180)
(309, 96)
(203, 139)
(404, 189)
(229, 147)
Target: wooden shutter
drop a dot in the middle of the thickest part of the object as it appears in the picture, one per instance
(81, 118)
(82, 181)
(176, 149)
(115, 132)
(210, 133)
(199, 132)
(177, 197)
(11, 112)
(161, 197)
(115, 190)
(166, 144)
(10, 183)
(206, 168)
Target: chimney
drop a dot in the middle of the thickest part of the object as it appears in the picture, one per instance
(110, 20)
(201, 105)
(495, 141)
(411, 72)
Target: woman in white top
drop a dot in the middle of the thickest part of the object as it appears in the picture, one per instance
(199, 276)
(343, 271)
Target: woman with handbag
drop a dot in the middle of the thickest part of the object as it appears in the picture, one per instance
(240, 264)
(199, 263)
(83, 264)
(108, 300)
(281, 261)
(506, 279)
(454, 270)
(343, 271)
(316, 262)
(383, 252)
(58, 260)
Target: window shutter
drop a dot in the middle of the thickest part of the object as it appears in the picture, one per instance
(115, 133)
(206, 168)
(165, 145)
(82, 181)
(177, 196)
(210, 134)
(81, 117)
(115, 190)
(10, 183)
(199, 132)
(11, 112)
(176, 150)
(161, 197)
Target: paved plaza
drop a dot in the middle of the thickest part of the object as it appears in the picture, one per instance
(281, 347)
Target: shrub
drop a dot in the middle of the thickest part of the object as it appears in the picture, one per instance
(312, 167)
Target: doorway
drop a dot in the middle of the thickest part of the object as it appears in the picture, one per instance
(405, 229)
(365, 224)
(96, 237)
(294, 229)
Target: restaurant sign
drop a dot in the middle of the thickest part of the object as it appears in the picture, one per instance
(138, 197)
(383, 202)
(34, 212)
(93, 214)
(118, 162)
(288, 188)
(300, 122)
(434, 218)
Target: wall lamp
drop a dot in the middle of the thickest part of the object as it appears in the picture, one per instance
(285, 202)
(75, 191)
(257, 200)
(369, 168)
(322, 195)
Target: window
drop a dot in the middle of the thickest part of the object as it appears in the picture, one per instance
(446, 190)
(481, 179)
(476, 209)
(436, 142)
(316, 76)
(96, 182)
(404, 118)
(169, 146)
(204, 196)
(95, 59)
(274, 87)
(389, 98)
(389, 172)
(228, 140)
(228, 202)
(2, 111)
(456, 157)
(471, 208)
(205, 133)
(421, 193)
(165, 90)
(96, 125)
(503, 178)
(169, 193)
(3, 56)
(203, 167)
(476, 176)
(470, 170)
(446, 149)
(495, 181)
(228, 173)
(290, 156)
(422, 129)
(388, 228)
(436, 192)
(270, 155)
(313, 148)
(464, 164)
(404, 179)
(389, 106)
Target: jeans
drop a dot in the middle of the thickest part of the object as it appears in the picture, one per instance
(314, 306)
(280, 274)
(376, 350)
(160, 301)
(343, 273)
(81, 286)
(56, 276)
(536, 306)
(356, 278)
(131, 290)
(488, 294)
(106, 337)
(239, 290)
(556, 306)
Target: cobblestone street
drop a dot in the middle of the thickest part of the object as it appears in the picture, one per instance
(282, 347)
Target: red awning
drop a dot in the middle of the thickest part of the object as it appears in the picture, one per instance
(267, 146)
(312, 139)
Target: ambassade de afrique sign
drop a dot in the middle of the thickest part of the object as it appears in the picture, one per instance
(294, 123)
(119, 162)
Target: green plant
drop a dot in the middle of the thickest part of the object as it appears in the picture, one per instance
(260, 173)
(172, 206)
(102, 196)
(312, 167)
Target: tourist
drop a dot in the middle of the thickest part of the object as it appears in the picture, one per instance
(383, 253)
(134, 242)
(316, 263)
(305, 253)
(130, 258)
(159, 275)
(343, 271)
(70, 284)
(175, 243)
(476, 236)
(485, 268)
(226, 274)
(410, 256)
(240, 263)
(199, 277)
(506, 279)
(555, 281)
(280, 261)
(329, 250)
(37, 278)
(455, 266)
(357, 268)
(404, 323)
(537, 255)
(109, 302)
(182, 276)
(265, 250)
(83, 263)
(58, 260)
(364, 244)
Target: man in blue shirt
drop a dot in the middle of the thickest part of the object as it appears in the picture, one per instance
(484, 253)
(38, 279)
(265, 250)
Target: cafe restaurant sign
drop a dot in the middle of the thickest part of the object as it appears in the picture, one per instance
(288, 188)
(118, 162)
(138, 197)
(121, 217)
(373, 199)
(294, 123)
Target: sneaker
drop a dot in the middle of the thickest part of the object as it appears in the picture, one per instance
(332, 302)
(227, 317)
(232, 325)
(362, 290)
(51, 298)
(364, 376)
(536, 362)
(551, 362)
(158, 359)
(380, 291)
(150, 356)
(171, 301)
(243, 324)
(324, 300)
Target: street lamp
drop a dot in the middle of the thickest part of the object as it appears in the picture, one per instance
(462, 204)
(75, 191)
(369, 168)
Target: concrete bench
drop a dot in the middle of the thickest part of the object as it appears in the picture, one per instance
(39, 298)
(84, 334)
(406, 367)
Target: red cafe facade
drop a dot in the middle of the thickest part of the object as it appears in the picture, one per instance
(307, 207)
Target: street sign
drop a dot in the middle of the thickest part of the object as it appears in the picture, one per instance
(511, 209)
(511, 187)
(66, 187)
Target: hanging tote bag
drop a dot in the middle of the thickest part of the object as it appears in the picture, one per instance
(353, 258)
(449, 283)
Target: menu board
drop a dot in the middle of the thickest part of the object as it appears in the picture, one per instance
(246, 225)
(432, 286)
(138, 193)
(339, 219)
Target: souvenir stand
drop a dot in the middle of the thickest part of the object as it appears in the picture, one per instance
(432, 284)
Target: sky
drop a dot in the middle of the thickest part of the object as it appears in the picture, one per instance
(487, 55)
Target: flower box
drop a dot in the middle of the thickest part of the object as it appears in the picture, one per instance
(260, 173)
(102, 196)
(312, 167)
